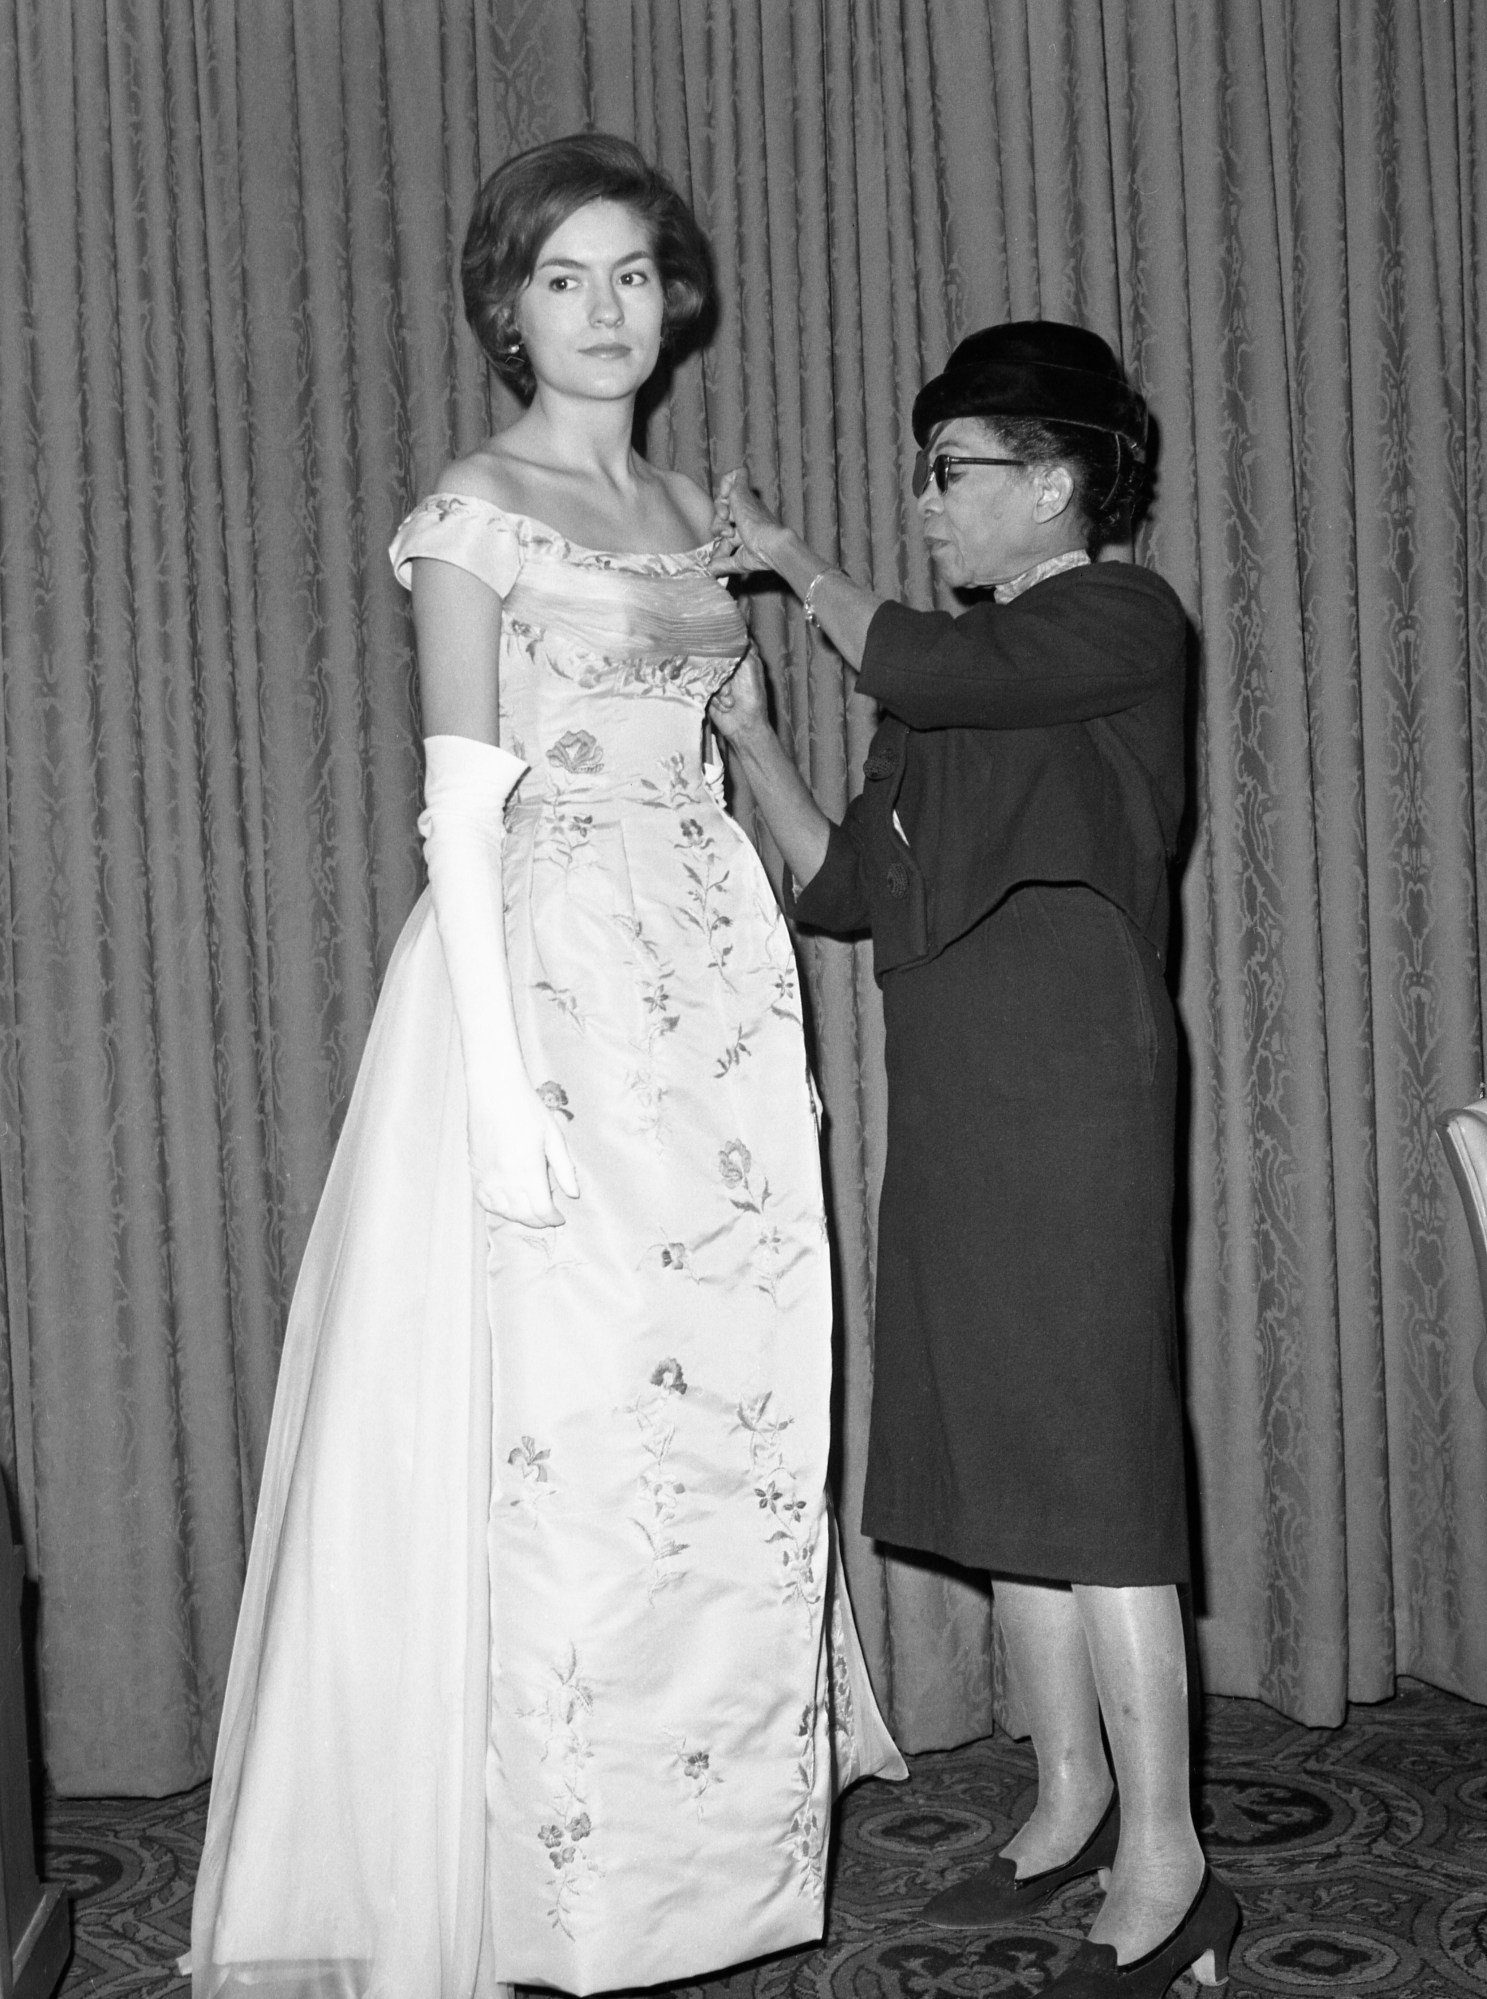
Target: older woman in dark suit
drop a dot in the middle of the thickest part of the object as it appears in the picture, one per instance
(1009, 853)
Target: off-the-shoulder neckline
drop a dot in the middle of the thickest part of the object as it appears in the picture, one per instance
(545, 528)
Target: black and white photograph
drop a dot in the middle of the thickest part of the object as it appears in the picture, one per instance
(743, 999)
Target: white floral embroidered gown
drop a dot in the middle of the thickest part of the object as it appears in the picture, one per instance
(543, 1673)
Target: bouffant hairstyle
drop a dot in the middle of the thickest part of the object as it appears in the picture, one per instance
(1053, 394)
(534, 193)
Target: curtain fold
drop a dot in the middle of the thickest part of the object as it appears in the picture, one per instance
(231, 356)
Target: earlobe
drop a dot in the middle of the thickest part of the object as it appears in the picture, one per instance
(1055, 491)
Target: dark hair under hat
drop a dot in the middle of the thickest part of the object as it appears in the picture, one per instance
(1034, 368)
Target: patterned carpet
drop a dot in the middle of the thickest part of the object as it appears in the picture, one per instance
(1359, 1856)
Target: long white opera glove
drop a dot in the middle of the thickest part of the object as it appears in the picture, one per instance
(517, 1151)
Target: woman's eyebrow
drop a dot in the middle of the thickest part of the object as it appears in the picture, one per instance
(579, 264)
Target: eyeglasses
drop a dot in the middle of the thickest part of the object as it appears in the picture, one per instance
(938, 468)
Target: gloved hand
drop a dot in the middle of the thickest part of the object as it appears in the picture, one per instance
(517, 1150)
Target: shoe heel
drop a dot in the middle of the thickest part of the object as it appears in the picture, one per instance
(1212, 1969)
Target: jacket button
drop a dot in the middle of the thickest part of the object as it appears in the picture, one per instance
(880, 763)
(898, 879)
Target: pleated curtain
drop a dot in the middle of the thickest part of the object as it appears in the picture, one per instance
(231, 358)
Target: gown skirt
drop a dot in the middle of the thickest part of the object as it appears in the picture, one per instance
(545, 1670)
(1026, 1413)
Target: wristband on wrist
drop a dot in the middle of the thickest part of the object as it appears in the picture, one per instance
(807, 605)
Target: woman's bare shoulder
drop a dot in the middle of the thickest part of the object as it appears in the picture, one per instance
(691, 501)
(484, 474)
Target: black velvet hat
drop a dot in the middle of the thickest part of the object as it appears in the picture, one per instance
(1039, 368)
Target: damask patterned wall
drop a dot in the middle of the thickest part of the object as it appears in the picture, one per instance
(230, 358)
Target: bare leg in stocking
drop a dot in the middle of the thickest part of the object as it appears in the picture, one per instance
(1135, 1642)
(1051, 1661)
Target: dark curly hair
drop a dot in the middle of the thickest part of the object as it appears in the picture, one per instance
(1111, 484)
(534, 193)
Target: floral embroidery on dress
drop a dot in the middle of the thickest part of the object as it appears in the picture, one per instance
(566, 1001)
(845, 1748)
(660, 1493)
(658, 1004)
(778, 967)
(807, 1837)
(561, 1838)
(789, 1516)
(563, 833)
(676, 793)
(736, 1164)
(676, 1258)
(531, 1467)
(446, 506)
(703, 910)
(695, 1767)
(556, 1099)
(779, 1497)
(648, 1096)
(548, 1246)
(651, 976)
(734, 1053)
(786, 1002)
(524, 638)
(578, 753)
(769, 1258)
(564, 1830)
(691, 677)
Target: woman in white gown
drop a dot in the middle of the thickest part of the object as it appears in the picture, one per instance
(544, 1671)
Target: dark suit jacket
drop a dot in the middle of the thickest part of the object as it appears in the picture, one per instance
(1039, 740)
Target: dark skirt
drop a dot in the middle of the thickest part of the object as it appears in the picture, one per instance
(1026, 1412)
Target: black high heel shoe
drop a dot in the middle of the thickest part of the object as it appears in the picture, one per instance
(1200, 1943)
(997, 1896)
